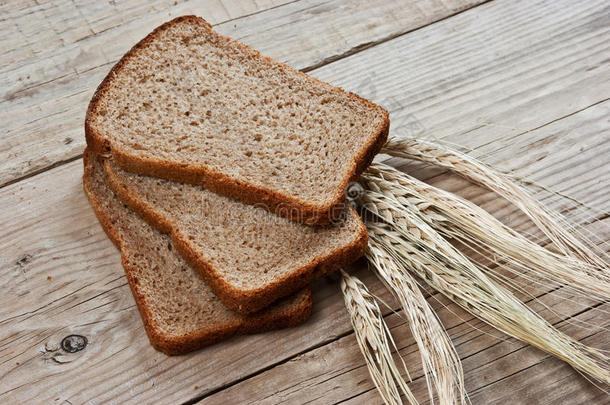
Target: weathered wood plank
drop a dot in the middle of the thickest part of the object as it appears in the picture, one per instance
(60, 24)
(545, 379)
(337, 371)
(47, 83)
(505, 67)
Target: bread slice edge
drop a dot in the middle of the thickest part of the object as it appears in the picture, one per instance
(275, 201)
(241, 301)
(176, 345)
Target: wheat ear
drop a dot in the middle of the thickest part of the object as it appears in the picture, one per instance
(441, 364)
(460, 219)
(553, 224)
(374, 340)
(413, 243)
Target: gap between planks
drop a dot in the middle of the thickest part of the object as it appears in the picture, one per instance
(329, 380)
(319, 30)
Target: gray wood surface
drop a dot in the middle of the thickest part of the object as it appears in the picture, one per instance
(50, 71)
(523, 85)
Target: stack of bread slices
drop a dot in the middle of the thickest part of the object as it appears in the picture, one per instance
(221, 176)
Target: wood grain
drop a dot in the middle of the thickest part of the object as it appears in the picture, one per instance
(521, 84)
(336, 371)
(540, 380)
(47, 83)
(500, 69)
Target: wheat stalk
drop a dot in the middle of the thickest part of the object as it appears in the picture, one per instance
(410, 241)
(554, 226)
(374, 340)
(457, 218)
(441, 363)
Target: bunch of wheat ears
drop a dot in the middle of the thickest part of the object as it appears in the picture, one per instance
(418, 232)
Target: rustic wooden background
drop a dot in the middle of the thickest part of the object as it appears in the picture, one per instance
(523, 85)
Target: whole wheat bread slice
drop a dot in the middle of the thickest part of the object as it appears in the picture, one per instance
(179, 311)
(190, 105)
(248, 256)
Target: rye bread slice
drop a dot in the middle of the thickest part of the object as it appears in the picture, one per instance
(179, 311)
(248, 256)
(190, 105)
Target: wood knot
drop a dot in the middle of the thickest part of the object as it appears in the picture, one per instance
(73, 343)
(23, 260)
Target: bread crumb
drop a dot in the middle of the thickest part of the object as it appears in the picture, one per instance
(196, 387)
(48, 277)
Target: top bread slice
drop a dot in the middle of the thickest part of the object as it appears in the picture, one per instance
(190, 105)
(179, 310)
(248, 256)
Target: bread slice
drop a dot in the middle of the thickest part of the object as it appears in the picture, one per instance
(190, 105)
(179, 310)
(248, 256)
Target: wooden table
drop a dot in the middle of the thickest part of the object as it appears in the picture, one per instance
(524, 85)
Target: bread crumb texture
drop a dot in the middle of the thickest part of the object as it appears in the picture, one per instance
(179, 310)
(191, 97)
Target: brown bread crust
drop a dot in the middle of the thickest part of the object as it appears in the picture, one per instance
(275, 201)
(172, 345)
(241, 301)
